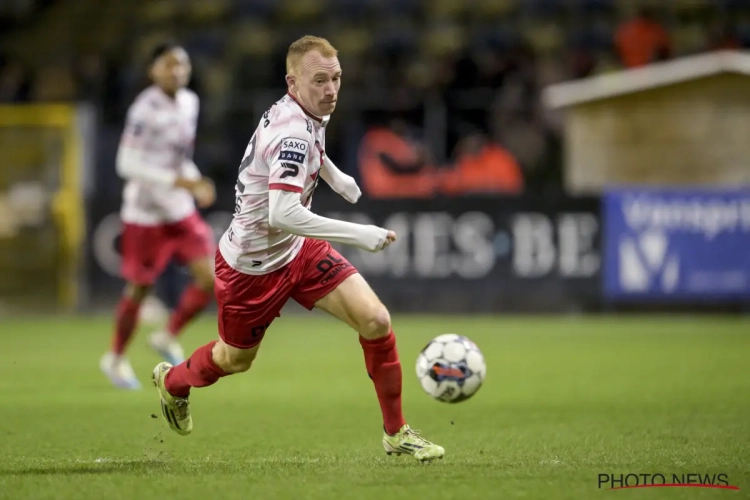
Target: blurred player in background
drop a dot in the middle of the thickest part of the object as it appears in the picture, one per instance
(159, 211)
(276, 249)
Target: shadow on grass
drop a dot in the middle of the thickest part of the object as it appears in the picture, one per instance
(86, 469)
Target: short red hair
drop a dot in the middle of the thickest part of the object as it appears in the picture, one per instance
(306, 44)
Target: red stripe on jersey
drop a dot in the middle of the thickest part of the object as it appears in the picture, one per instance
(285, 187)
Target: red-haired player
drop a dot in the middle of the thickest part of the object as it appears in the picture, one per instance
(277, 249)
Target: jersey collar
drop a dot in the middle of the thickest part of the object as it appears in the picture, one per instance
(163, 95)
(322, 120)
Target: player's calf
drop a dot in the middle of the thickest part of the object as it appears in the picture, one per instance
(232, 359)
(113, 364)
(205, 367)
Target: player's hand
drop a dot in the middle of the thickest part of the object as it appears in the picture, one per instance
(390, 237)
(204, 192)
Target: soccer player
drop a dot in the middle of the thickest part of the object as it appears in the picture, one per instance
(159, 209)
(276, 249)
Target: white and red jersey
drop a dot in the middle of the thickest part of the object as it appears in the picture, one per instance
(158, 143)
(286, 152)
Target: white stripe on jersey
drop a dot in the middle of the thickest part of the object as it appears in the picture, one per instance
(162, 133)
(286, 152)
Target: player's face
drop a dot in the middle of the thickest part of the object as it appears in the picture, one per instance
(318, 82)
(172, 70)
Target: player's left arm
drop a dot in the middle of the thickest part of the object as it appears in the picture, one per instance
(343, 184)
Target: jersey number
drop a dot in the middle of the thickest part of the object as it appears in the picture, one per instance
(246, 162)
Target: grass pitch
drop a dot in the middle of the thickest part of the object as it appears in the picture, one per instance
(564, 401)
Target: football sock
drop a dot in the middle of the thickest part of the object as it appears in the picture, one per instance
(384, 368)
(126, 321)
(197, 371)
(192, 302)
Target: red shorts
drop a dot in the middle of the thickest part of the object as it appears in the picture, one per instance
(249, 303)
(147, 250)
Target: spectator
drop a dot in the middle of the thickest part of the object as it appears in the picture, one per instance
(642, 40)
(482, 167)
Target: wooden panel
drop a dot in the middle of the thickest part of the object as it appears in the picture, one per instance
(687, 134)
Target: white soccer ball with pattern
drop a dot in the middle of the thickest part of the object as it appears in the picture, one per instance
(451, 368)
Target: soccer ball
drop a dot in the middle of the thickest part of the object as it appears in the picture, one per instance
(451, 368)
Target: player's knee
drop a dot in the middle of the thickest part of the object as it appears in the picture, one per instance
(233, 360)
(376, 323)
(137, 292)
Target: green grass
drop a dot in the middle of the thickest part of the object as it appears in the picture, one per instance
(564, 401)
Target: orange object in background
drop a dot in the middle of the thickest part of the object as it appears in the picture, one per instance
(483, 167)
(642, 40)
(391, 166)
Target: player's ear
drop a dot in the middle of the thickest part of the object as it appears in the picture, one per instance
(291, 82)
(152, 72)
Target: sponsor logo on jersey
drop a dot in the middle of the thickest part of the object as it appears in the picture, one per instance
(293, 150)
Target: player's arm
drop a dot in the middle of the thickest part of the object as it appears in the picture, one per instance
(343, 184)
(132, 157)
(286, 182)
(133, 164)
(287, 213)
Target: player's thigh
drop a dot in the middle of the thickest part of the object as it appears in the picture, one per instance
(146, 251)
(354, 302)
(195, 247)
(247, 304)
(332, 284)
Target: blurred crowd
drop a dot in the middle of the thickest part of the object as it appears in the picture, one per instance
(440, 97)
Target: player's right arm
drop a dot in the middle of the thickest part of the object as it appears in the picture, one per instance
(133, 161)
(285, 185)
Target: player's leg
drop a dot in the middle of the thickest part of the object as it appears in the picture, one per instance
(205, 367)
(194, 246)
(332, 284)
(144, 255)
(114, 364)
(246, 307)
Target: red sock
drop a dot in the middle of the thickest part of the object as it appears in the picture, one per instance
(384, 368)
(126, 320)
(192, 302)
(197, 371)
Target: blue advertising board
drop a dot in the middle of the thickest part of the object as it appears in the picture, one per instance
(679, 244)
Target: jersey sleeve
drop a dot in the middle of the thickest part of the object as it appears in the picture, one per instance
(139, 128)
(135, 144)
(287, 157)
